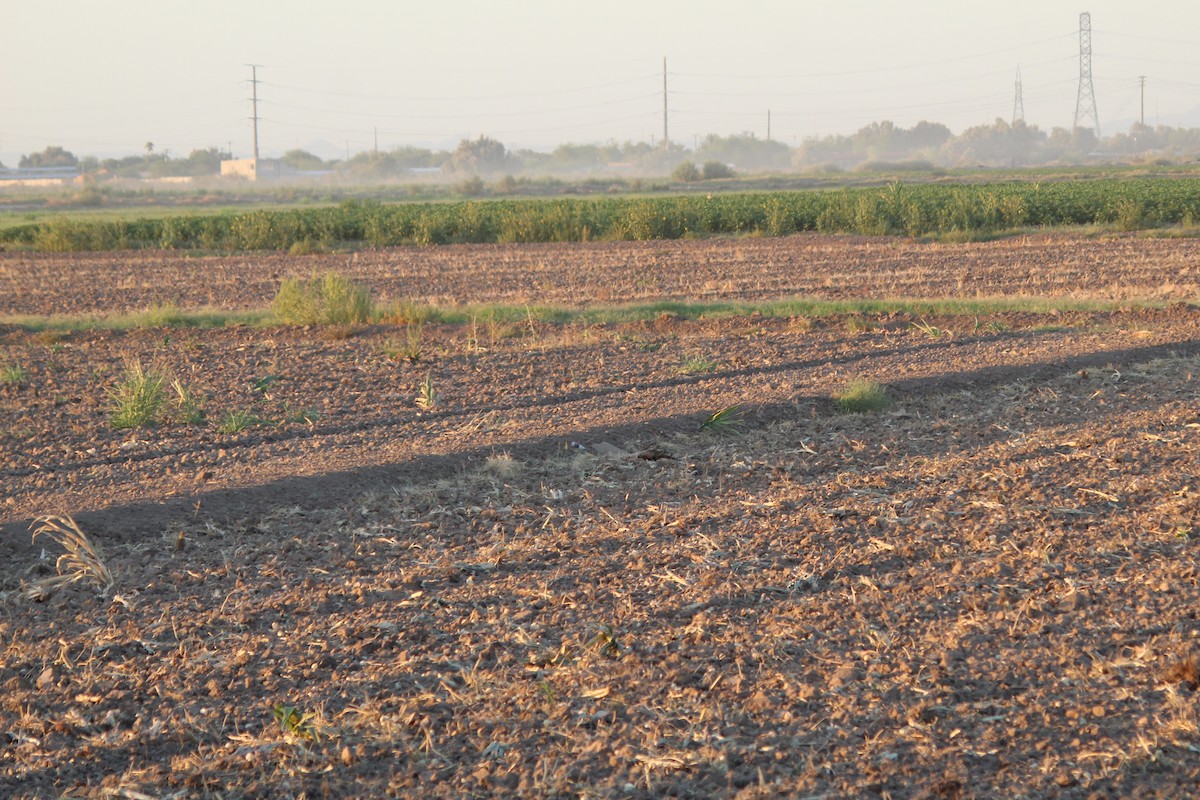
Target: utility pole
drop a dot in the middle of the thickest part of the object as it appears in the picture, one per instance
(1142, 84)
(768, 124)
(376, 140)
(1018, 102)
(254, 101)
(666, 141)
(1085, 103)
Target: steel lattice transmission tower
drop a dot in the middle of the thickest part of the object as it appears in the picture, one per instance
(1018, 102)
(1085, 105)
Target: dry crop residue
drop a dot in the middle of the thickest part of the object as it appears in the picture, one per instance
(554, 581)
(813, 266)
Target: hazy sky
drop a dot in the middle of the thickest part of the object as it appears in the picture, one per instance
(104, 78)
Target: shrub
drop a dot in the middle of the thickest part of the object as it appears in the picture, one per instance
(713, 170)
(328, 299)
(470, 187)
(686, 173)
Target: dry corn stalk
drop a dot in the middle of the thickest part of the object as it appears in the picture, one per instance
(80, 561)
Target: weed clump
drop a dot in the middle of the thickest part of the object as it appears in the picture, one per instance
(862, 397)
(328, 299)
(81, 561)
(724, 421)
(187, 406)
(238, 421)
(138, 398)
(698, 365)
(12, 374)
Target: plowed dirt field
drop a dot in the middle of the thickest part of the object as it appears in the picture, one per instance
(562, 578)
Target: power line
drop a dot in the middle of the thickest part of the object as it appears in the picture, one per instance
(367, 132)
(463, 98)
(536, 112)
(877, 70)
(873, 89)
(1126, 35)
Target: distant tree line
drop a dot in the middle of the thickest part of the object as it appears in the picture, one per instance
(150, 165)
(882, 145)
(1001, 144)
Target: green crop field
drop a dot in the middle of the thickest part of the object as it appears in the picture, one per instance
(896, 209)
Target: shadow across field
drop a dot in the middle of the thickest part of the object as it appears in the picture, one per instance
(336, 489)
(990, 375)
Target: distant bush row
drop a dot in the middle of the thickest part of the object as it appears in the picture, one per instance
(900, 209)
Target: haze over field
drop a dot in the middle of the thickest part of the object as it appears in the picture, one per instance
(105, 79)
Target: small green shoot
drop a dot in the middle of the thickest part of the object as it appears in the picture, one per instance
(303, 416)
(473, 335)
(237, 421)
(295, 724)
(411, 349)
(605, 642)
(263, 385)
(929, 330)
(857, 323)
(723, 421)
(427, 395)
(186, 405)
(861, 397)
(697, 365)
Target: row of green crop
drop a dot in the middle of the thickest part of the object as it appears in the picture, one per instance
(912, 210)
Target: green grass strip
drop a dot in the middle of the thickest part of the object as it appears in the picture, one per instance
(615, 314)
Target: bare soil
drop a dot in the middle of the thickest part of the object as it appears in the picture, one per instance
(558, 581)
(827, 267)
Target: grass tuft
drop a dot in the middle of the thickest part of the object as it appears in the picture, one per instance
(138, 398)
(502, 466)
(163, 315)
(12, 374)
(407, 312)
(698, 365)
(411, 347)
(328, 299)
(861, 397)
